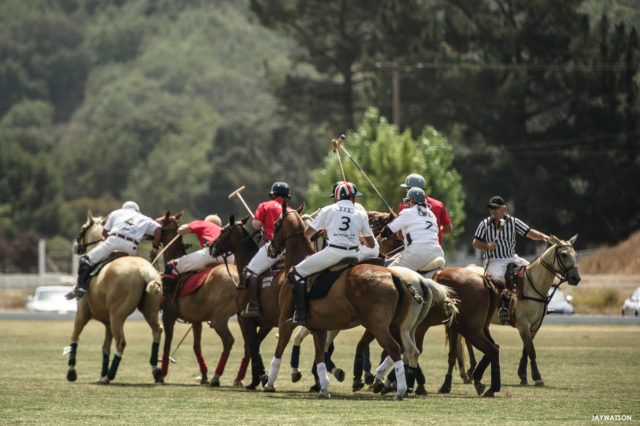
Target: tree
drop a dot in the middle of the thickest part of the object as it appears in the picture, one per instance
(387, 157)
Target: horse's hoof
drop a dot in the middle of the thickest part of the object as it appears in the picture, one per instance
(104, 380)
(295, 377)
(444, 389)
(269, 388)
(397, 397)
(421, 390)
(214, 383)
(369, 377)
(237, 383)
(378, 385)
(264, 379)
(488, 394)
(158, 376)
(251, 387)
(388, 389)
(357, 384)
(540, 383)
(72, 375)
(479, 386)
(324, 394)
(314, 388)
(523, 382)
(339, 374)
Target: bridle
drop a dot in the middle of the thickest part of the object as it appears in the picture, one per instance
(273, 252)
(81, 246)
(215, 251)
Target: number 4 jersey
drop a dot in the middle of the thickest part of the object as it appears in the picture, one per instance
(418, 225)
(344, 223)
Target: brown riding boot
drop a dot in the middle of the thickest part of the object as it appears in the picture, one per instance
(253, 307)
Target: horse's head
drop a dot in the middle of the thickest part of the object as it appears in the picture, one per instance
(564, 259)
(169, 225)
(90, 233)
(289, 224)
(378, 220)
(231, 237)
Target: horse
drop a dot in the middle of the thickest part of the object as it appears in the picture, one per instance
(213, 302)
(126, 283)
(364, 294)
(557, 261)
(234, 238)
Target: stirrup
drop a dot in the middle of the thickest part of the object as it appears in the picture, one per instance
(295, 320)
(250, 311)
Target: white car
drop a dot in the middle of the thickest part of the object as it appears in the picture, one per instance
(631, 306)
(51, 299)
(559, 304)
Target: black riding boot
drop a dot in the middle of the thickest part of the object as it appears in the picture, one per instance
(253, 288)
(82, 286)
(300, 299)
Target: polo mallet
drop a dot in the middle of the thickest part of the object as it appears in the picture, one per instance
(164, 248)
(236, 193)
(500, 228)
(339, 143)
(171, 358)
(336, 144)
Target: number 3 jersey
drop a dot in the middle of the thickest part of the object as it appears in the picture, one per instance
(418, 225)
(344, 223)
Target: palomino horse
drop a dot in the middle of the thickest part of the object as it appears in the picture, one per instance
(369, 295)
(557, 261)
(213, 302)
(127, 283)
(235, 239)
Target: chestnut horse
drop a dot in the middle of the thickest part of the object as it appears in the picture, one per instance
(127, 283)
(213, 302)
(367, 295)
(234, 238)
(557, 261)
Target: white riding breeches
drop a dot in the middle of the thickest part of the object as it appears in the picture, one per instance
(498, 267)
(367, 253)
(108, 246)
(198, 259)
(323, 259)
(261, 261)
(415, 256)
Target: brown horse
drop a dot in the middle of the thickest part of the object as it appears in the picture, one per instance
(235, 239)
(213, 302)
(367, 295)
(127, 283)
(558, 261)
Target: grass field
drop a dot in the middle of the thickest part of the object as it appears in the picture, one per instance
(588, 370)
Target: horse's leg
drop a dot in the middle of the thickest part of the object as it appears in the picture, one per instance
(221, 326)
(257, 368)
(420, 332)
(460, 360)
(81, 319)
(472, 359)
(296, 375)
(117, 330)
(197, 351)
(320, 340)
(522, 366)
(527, 339)
(482, 340)
(453, 338)
(393, 348)
(244, 363)
(106, 351)
(169, 322)
(329, 347)
(358, 362)
(285, 331)
(150, 312)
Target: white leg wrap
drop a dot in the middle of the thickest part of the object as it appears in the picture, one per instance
(323, 377)
(401, 381)
(383, 367)
(273, 371)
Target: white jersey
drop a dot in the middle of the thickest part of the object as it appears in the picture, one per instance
(343, 222)
(418, 225)
(129, 223)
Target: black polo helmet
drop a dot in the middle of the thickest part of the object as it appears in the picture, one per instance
(280, 189)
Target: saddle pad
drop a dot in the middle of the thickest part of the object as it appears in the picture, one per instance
(194, 282)
(113, 256)
(267, 277)
(321, 283)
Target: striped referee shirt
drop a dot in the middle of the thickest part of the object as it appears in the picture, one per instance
(487, 232)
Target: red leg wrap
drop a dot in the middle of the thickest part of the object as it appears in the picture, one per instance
(165, 364)
(223, 361)
(242, 371)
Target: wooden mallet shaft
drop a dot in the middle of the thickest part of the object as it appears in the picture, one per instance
(236, 193)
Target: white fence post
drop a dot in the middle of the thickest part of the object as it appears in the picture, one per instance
(42, 245)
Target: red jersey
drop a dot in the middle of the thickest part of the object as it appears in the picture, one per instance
(206, 231)
(268, 213)
(437, 208)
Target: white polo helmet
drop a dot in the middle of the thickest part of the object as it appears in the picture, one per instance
(131, 205)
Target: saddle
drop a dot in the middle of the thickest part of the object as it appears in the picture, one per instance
(266, 278)
(428, 269)
(319, 284)
(507, 297)
(98, 267)
(191, 281)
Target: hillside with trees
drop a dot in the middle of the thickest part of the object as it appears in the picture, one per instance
(176, 103)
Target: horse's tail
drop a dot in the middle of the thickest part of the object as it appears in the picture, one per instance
(152, 280)
(443, 296)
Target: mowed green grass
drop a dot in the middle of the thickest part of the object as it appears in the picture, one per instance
(588, 370)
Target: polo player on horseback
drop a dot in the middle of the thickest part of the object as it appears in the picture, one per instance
(343, 224)
(266, 216)
(500, 243)
(123, 231)
(207, 231)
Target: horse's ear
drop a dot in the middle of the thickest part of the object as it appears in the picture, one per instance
(245, 219)
(167, 215)
(179, 215)
(299, 209)
(104, 219)
(573, 239)
(554, 239)
(89, 216)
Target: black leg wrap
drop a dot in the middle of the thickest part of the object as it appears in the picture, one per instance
(479, 370)
(495, 378)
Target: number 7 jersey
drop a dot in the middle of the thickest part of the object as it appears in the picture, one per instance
(418, 222)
